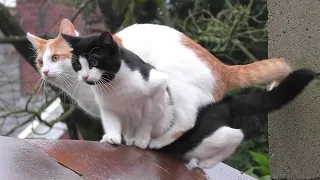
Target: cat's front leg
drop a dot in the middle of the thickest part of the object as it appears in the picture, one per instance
(153, 108)
(112, 127)
(150, 115)
(142, 136)
(128, 134)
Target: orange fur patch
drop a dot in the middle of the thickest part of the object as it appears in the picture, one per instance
(58, 46)
(176, 135)
(230, 77)
(212, 62)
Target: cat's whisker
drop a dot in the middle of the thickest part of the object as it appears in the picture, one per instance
(40, 87)
(60, 80)
(106, 92)
(110, 84)
(98, 86)
(62, 72)
(65, 82)
(31, 47)
(68, 81)
(76, 87)
(101, 87)
(104, 87)
(34, 57)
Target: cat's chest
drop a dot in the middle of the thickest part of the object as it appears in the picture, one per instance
(122, 102)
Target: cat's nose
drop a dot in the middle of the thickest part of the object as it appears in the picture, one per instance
(46, 72)
(85, 78)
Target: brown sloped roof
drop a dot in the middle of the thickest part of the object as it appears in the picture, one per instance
(67, 159)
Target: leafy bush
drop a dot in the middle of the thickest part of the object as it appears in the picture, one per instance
(260, 171)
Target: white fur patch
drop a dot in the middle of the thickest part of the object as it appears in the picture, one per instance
(93, 74)
(217, 147)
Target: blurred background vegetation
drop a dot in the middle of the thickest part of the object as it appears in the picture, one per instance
(233, 30)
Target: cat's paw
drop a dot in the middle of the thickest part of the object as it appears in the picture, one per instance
(207, 163)
(141, 143)
(156, 144)
(112, 138)
(129, 141)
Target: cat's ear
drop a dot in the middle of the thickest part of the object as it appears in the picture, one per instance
(66, 27)
(35, 41)
(106, 38)
(72, 40)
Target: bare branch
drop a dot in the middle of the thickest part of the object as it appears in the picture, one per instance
(81, 8)
(63, 116)
(32, 117)
(19, 39)
(53, 24)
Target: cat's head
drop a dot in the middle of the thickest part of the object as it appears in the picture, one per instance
(53, 56)
(96, 58)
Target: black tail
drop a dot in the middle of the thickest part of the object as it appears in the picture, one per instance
(266, 102)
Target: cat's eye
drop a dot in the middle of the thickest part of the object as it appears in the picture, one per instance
(77, 64)
(93, 62)
(55, 58)
(40, 62)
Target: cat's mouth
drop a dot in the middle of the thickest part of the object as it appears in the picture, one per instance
(94, 82)
(90, 82)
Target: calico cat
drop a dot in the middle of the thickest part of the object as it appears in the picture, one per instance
(131, 94)
(212, 139)
(53, 61)
(169, 51)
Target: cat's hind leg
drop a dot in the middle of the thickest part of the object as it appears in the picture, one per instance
(183, 122)
(217, 147)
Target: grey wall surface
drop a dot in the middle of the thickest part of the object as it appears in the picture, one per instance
(294, 131)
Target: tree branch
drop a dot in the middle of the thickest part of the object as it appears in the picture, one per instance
(81, 8)
(20, 39)
(10, 27)
(31, 118)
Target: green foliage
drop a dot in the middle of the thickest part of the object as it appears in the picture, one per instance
(260, 171)
(229, 34)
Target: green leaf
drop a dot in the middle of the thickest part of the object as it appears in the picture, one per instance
(250, 173)
(263, 160)
(263, 170)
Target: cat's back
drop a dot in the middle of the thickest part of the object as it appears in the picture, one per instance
(161, 46)
(147, 34)
(171, 52)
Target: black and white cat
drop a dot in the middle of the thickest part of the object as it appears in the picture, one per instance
(212, 139)
(133, 97)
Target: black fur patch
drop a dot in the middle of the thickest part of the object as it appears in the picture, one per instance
(216, 115)
(103, 53)
(134, 62)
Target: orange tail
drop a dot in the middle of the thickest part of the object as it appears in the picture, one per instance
(260, 72)
(238, 76)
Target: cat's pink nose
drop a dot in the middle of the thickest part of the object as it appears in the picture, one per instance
(85, 78)
(46, 72)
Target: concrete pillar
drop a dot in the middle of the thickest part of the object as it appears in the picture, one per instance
(294, 131)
